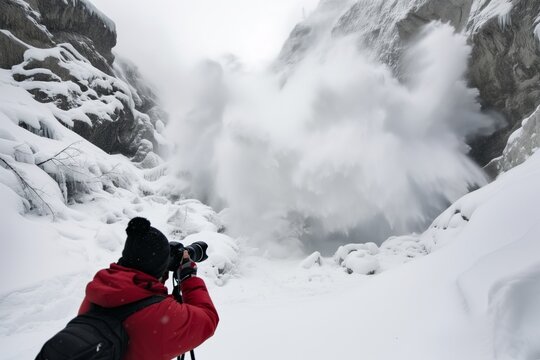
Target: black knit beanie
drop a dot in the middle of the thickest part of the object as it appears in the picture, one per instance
(146, 248)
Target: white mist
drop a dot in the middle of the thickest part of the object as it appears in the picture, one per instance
(341, 151)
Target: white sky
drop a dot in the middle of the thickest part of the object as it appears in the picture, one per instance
(156, 33)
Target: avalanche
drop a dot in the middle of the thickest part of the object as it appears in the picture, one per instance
(468, 287)
(474, 297)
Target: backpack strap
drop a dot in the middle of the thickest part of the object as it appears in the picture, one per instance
(125, 311)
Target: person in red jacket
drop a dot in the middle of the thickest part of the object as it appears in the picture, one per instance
(166, 329)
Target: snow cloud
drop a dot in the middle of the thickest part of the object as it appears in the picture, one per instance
(341, 150)
(166, 38)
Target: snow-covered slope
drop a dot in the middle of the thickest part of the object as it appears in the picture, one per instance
(65, 205)
(475, 296)
(66, 199)
(466, 288)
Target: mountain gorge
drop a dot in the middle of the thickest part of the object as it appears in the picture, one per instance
(383, 166)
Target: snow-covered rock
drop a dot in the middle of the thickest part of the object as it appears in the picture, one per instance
(344, 250)
(358, 258)
(191, 216)
(360, 262)
(315, 259)
(43, 23)
(60, 52)
(522, 143)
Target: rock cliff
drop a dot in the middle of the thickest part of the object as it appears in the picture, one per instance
(503, 34)
(61, 52)
(505, 65)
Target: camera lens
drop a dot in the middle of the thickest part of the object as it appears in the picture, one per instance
(197, 251)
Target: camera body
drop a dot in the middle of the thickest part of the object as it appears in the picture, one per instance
(197, 253)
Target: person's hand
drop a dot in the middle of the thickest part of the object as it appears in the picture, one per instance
(188, 267)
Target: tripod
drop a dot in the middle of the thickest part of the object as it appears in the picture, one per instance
(178, 297)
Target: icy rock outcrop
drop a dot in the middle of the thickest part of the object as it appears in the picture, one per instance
(369, 259)
(315, 259)
(505, 61)
(43, 23)
(307, 34)
(60, 51)
(358, 258)
(21, 28)
(522, 143)
(144, 94)
(95, 105)
(79, 23)
(381, 27)
(504, 66)
(145, 102)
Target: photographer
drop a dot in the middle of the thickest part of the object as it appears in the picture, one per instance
(164, 329)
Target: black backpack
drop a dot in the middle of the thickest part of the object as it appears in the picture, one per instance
(96, 335)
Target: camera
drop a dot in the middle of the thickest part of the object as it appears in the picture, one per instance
(197, 253)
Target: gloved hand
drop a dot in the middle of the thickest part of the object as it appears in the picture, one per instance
(188, 268)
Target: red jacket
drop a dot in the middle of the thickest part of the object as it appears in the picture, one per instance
(160, 331)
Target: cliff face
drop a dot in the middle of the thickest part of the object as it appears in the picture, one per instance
(505, 61)
(522, 143)
(61, 52)
(505, 65)
(44, 23)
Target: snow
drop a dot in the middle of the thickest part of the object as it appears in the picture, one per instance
(484, 10)
(78, 68)
(471, 296)
(342, 147)
(32, 15)
(521, 144)
(516, 305)
(108, 23)
(222, 255)
(537, 28)
(315, 259)
(459, 290)
(466, 288)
